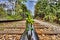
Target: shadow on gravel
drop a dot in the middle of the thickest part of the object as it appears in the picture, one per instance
(4, 21)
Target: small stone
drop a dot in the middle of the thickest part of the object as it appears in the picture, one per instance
(43, 35)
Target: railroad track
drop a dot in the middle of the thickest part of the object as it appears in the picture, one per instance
(45, 32)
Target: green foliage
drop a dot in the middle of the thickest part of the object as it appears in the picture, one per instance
(29, 28)
(29, 18)
(20, 11)
(14, 17)
(29, 21)
(19, 1)
(47, 11)
(50, 18)
(9, 18)
(58, 13)
(2, 13)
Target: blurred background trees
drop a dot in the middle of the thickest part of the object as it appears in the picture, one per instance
(48, 11)
(20, 10)
(2, 13)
